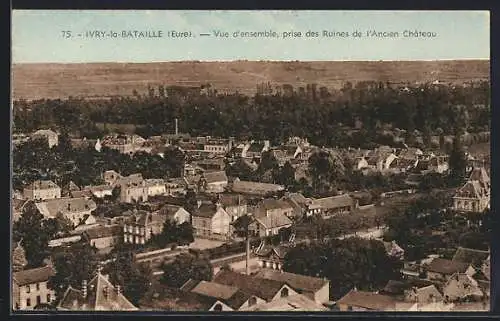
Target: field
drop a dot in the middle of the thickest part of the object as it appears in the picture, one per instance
(36, 81)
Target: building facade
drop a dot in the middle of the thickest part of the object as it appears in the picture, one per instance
(30, 288)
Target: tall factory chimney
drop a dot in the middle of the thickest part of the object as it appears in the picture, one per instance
(176, 127)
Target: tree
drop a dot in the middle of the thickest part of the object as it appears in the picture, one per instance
(77, 263)
(325, 171)
(287, 175)
(18, 258)
(358, 263)
(187, 266)
(190, 201)
(30, 228)
(458, 163)
(134, 278)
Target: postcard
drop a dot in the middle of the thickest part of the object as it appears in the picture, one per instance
(250, 161)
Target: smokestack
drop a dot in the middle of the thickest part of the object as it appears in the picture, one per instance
(84, 288)
(247, 262)
(176, 127)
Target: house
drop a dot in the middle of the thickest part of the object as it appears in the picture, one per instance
(403, 165)
(125, 144)
(286, 153)
(217, 146)
(234, 205)
(269, 218)
(211, 164)
(255, 149)
(100, 191)
(461, 286)
(442, 269)
(175, 214)
(414, 290)
(299, 203)
(255, 188)
(211, 220)
(293, 303)
(74, 209)
(42, 190)
(380, 159)
(111, 177)
(316, 289)
(474, 195)
(423, 295)
(476, 258)
(139, 227)
(50, 136)
(410, 153)
(29, 288)
(272, 257)
(175, 186)
(271, 206)
(134, 191)
(103, 237)
(334, 205)
(213, 182)
(155, 187)
(268, 290)
(226, 297)
(360, 163)
(356, 300)
(98, 295)
(69, 189)
(439, 164)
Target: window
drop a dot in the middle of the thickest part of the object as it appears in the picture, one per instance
(28, 289)
(48, 298)
(28, 302)
(284, 293)
(252, 301)
(218, 307)
(38, 286)
(38, 299)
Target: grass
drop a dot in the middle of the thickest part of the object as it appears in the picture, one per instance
(35, 81)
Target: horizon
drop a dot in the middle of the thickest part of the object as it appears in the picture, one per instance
(242, 60)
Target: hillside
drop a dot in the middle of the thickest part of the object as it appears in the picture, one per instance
(34, 81)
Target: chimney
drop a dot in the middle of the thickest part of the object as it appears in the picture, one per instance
(84, 288)
(176, 127)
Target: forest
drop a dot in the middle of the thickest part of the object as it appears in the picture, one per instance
(351, 116)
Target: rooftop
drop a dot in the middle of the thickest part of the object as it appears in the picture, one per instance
(368, 300)
(262, 288)
(296, 281)
(36, 185)
(36, 275)
(101, 296)
(444, 266)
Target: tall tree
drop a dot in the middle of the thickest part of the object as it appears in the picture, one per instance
(287, 175)
(458, 163)
(77, 263)
(347, 263)
(30, 228)
(187, 266)
(134, 278)
(18, 258)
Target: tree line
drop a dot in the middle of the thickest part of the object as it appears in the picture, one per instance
(323, 119)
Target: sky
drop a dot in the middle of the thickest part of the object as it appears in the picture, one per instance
(38, 37)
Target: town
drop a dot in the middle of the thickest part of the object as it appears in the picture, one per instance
(261, 206)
